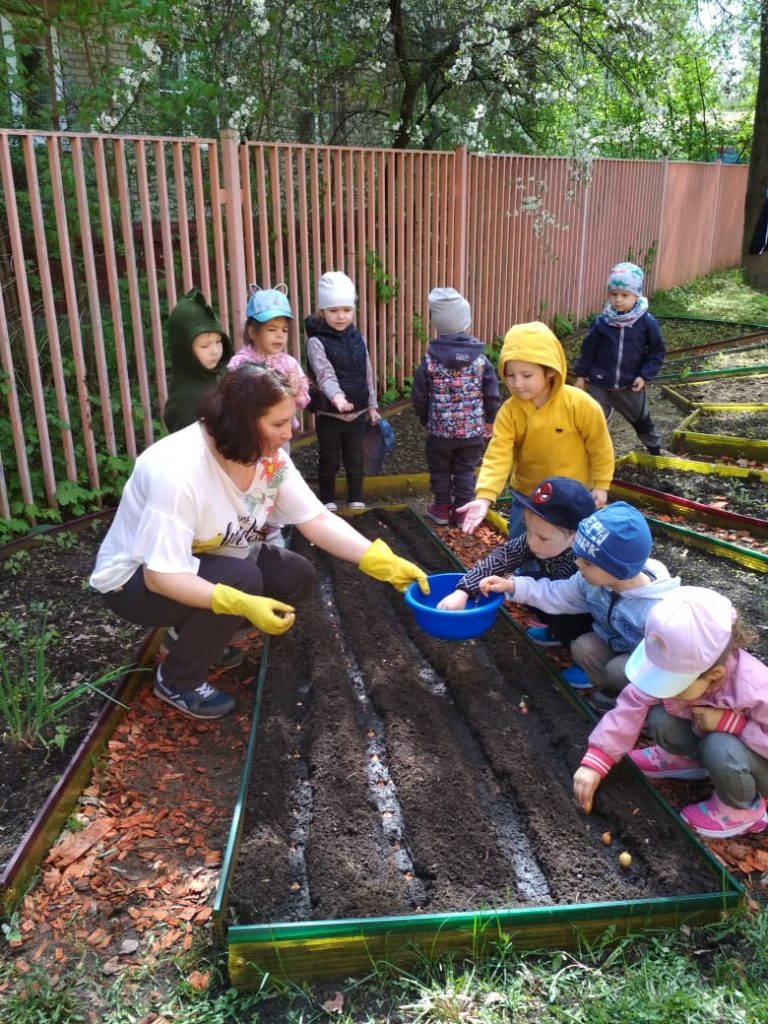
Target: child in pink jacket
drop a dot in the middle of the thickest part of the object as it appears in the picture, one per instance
(705, 702)
(268, 318)
(265, 337)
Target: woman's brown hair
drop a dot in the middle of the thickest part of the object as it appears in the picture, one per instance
(232, 409)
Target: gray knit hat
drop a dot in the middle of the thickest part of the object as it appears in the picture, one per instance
(449, 311)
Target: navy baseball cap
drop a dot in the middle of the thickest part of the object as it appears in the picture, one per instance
(560, 500)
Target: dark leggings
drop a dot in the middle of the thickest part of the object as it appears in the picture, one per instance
(336, 440)
(203, 635)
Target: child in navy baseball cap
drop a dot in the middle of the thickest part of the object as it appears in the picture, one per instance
(617, 584)
(552, 513)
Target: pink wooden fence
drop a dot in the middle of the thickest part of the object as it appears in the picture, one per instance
(100, 235)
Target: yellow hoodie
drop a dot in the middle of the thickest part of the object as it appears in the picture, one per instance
(566, 436)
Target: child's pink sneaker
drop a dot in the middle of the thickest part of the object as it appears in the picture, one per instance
(439, 513)
(657, 763)
(717, 820)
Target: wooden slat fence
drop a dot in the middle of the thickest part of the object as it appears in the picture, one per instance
(100, 235)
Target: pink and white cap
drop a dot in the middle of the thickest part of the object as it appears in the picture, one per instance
(685, 634)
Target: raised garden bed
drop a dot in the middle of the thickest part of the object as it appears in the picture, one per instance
(399, 776)
(723, 488)
(715, 431)
(720, 391)
(44, 580)
(729, 357)
(745, 421)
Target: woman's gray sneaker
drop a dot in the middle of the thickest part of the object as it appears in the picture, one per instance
(205, 701)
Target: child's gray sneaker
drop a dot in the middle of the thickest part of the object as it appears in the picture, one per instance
(205, 701)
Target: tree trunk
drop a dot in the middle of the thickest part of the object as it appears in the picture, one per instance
(755, 268)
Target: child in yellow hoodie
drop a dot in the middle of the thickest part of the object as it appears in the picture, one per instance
(545, 428)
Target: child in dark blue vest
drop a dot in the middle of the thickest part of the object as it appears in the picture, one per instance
(343, 396)
(456, 397)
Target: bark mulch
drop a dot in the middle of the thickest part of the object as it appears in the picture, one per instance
(131, 877)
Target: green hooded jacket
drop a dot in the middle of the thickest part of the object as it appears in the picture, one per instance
(190, 380)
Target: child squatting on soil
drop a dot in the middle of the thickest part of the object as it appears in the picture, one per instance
(545, 428)
(456, 396)
(199, 350)
(265, 335)
(622, 351)
(705, 702)
(341, 386)
(183, 548)
(617, 583)
(552, 514)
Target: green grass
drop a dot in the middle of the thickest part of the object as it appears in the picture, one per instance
(712, 975)
(721, 296)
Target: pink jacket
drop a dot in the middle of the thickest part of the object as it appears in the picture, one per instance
(742, 695)
(280, 361)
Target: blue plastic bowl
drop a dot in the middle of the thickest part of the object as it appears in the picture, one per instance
(477, 617)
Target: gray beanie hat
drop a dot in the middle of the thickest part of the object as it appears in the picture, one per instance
(449, 311)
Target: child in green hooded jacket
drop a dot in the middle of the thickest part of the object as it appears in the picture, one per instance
(200, 350)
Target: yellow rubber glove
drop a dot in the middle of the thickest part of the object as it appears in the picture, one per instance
(382, 563)
(265, 613)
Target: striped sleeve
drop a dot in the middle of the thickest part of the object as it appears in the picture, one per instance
(732, 722)
(597, 760)
(501, 561)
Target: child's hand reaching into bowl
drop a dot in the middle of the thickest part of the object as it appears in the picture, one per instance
(496, 585)
(455, 602)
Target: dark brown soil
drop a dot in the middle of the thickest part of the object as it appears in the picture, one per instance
(396, 773)
(49, 581)
(727, 389)
(745, 495)
(753, 425)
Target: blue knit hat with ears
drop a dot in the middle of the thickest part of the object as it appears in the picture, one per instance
(627, 276)
(268, 303)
